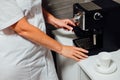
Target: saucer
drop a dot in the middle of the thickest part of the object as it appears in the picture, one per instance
(109, 70)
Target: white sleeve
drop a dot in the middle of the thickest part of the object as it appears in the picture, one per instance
(10, 13)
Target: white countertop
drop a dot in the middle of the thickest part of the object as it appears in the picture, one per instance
(88, 66)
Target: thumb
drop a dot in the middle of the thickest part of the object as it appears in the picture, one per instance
(67, 27)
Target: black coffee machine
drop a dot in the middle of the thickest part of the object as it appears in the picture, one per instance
(92, 20)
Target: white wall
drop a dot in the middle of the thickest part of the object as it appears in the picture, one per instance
(63, 8)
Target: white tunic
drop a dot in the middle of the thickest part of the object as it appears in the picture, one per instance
(21, 59)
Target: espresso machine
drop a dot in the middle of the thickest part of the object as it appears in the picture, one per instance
(92, 20)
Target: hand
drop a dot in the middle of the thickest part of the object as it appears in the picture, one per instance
(74, 52)
(58, 23)
(64, 23)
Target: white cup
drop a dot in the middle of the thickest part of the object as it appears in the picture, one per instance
(104, 60)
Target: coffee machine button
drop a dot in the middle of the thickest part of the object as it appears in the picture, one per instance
(97, 16)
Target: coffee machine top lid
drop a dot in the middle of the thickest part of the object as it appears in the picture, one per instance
(90, 6)
(99, 4)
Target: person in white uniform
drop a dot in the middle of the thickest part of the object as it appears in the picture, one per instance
(25, 47)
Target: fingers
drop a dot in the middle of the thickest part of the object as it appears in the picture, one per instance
(83, 55)
(67, 27)
(80, 54)
(75, 58)
(68, 24)
(79, 57)
(81, 50)
(74, 52)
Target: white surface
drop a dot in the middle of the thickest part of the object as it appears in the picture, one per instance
(88, 66)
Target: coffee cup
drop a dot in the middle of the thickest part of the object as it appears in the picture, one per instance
(104, 60)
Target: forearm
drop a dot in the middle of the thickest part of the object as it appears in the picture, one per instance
(49, 18)
(58, 23)
(28, 31)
